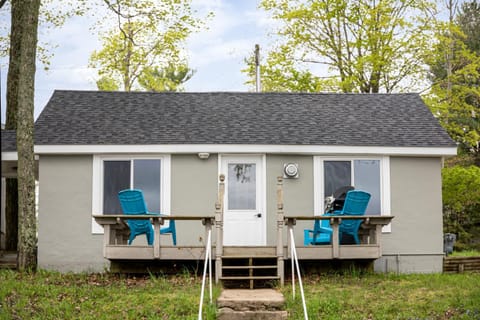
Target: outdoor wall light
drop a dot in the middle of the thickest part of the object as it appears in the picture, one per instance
(290, 170)
(203, 155)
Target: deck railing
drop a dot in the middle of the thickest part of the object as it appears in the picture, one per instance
(116, 234)
(370, 234)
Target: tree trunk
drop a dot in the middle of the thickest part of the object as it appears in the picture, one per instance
(25, 21)
(11, 185)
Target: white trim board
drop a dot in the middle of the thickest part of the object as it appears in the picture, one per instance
(245, 148)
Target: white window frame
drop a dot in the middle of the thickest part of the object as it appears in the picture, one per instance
(97, 188)
(318, 183)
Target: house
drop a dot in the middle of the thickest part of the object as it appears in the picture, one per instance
(92, 144)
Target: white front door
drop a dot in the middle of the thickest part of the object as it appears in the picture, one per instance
(244, 203)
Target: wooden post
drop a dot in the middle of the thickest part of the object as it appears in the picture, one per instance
(219, 227)
(280, 223)
(106, 238)
(335, 237)
(157, 222)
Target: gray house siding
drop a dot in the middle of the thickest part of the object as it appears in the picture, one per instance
(65, 240)
(193, 193)
(298, 194)
(415, 243)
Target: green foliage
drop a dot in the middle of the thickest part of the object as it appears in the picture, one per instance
(368, 46)
(148, 38)
(455, 94)
(469, 21)
(279, 73)
(106, 83)
(461, 201)
(53, 14)
(170, 78)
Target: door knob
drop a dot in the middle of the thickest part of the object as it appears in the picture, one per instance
(259, 215)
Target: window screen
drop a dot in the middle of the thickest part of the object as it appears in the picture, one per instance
(367, 178)
(146, 177)
(116, 177)
(336, 174)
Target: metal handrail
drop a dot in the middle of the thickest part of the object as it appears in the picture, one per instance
(208, 262)
(295, 264)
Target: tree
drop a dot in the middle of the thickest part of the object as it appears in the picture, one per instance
(368, 45)
(280, 73)
(468, 19)
(53, 14)
(454, 97)
(24, 27)
(170, 78)
(148, 36)
(461, 203)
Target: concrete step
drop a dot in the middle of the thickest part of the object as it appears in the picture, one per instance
(263, 304)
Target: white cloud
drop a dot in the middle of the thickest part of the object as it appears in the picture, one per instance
(216, 53)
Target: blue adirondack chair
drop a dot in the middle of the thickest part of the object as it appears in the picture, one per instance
(133, 203)
(356, 203)
(316, 236)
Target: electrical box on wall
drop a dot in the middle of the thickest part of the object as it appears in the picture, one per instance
(290, 170)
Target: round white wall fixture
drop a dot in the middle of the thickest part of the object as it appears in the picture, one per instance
(290, 170)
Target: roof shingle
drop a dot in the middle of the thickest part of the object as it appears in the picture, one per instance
(127, 118)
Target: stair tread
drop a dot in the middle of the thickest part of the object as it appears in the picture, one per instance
(250, 267)
(249, 277)
(250, 257)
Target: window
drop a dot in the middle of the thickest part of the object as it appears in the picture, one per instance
(242, 186)
(113, 174)
(368, 174)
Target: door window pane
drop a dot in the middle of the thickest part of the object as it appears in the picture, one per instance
(116, 177)
(367, 178)
(336, 174)
(242, 186)
(146, 177)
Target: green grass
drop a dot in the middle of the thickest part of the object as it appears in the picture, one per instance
(465, 253)
(49, 295)
(438, 296)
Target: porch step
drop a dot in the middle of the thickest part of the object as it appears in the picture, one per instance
(250, 267)
(249, 271)
(250, 278)
(266, 304)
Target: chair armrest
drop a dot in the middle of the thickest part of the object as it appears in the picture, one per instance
(325, 230)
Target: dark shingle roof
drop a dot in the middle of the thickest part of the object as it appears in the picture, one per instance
(9, 140)
(112, 118)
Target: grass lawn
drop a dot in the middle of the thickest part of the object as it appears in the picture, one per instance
(49, 295)
(465, 253)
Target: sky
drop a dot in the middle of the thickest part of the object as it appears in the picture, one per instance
(216, 54)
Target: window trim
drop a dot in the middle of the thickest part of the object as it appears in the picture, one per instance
(318, 185)
(97, 187)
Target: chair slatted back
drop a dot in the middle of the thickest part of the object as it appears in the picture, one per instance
(132, 202)
(356, 203)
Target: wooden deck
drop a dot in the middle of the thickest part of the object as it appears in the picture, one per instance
(116, 235)
(243, 258)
